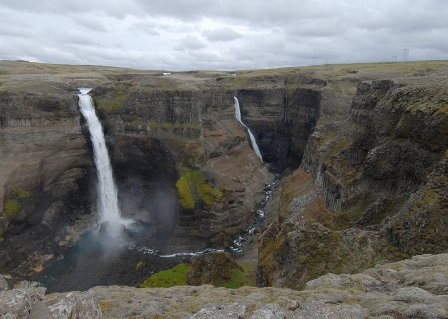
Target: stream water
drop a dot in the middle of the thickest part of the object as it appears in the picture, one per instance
(239, 242)
(105, 257)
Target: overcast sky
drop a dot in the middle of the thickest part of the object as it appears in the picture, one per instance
(221, 34)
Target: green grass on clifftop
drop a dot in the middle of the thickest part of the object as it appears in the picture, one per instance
(168, 278)
(176, 276)
(237, 279)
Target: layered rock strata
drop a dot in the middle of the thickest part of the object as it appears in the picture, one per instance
(372, 186)
(200, 145)
(45, 178)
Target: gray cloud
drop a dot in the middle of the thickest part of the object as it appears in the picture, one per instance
(145, 27)
(187, 10)
(191, 42)
(93, 23)
(223, 34)
(15, 31)
(115, 8)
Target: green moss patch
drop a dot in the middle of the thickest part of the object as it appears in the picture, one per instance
(168, 278)
(12, 208)
(237, 279)
(194, 190)
(250, 273)
(21, 194)
(14, 202)
(139, 265)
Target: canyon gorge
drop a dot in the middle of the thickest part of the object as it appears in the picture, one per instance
(345, 213)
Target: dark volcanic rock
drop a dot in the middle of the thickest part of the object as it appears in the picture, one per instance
(281, 125)
(382, 171)
(151, 135)
(372, 183)
(45, 179)
(157, 134)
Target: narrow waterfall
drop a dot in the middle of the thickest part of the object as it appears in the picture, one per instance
(251, 136)
(107, 203)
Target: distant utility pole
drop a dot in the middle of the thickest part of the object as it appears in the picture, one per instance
(394, 59)
(326, 62)
(314, 60)
(405, 54)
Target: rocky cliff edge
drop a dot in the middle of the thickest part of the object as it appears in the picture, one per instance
(412, 288)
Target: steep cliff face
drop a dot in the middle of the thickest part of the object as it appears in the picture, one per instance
(203, 156)
(386, 149)
(34, 129)
(168, 148)
(171, 138)
(371, 183)
(382, 171)
(163, 145)
(280, 123)
(44, 175)
(199, 132)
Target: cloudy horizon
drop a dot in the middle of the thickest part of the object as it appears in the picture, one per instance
(224, 35)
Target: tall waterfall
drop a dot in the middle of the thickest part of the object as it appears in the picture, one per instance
(251, 136)
(107, 203)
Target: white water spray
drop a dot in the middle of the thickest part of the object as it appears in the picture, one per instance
(108, 210)
(251, 136)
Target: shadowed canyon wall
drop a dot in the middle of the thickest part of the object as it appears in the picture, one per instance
(159, 140)
(371, 184)
(199, 132)
(281, 125)
(45, 174)
(365, 166)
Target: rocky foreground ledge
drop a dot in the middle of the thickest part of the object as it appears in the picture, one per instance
(411, 288)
